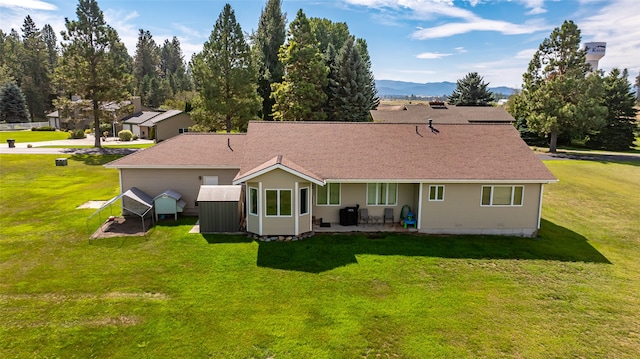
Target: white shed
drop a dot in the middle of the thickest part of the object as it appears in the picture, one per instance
(169, 202)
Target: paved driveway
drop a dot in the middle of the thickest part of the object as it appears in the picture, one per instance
(40, 147)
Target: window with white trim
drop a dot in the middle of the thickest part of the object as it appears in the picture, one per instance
(328, 195)
(304, 200)
(436, 193)
(502, 195)
(253, 201)
(382, 194)
(278, 202)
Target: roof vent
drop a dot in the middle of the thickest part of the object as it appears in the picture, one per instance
(433, 129)
(438, 104)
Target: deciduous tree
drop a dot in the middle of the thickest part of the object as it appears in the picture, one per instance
(225, 77)
(93, 64)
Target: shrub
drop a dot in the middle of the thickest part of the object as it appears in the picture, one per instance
(88, 131)
(77, 133)
(125, 135)
(43, 128)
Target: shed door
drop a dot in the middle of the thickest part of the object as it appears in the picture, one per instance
(210, 180)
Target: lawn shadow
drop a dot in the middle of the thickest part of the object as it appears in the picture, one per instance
(93, 159)
(325, 252)
(619, 158)
(217, 238)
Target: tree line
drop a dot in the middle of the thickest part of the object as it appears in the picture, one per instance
(314, 69)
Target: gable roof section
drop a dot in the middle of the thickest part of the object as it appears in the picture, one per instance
(188, 150)
(161, 116)
(139, 117)
(450, 114)
(396, 152)
(279, 162)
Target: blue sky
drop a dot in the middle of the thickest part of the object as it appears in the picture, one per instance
(409, 40)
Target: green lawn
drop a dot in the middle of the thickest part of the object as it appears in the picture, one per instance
(571, 293)
(33, 136)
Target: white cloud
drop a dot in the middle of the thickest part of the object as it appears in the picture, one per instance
(617, 25)
(526, 54)
(122, 22)
(536, 6)
(461, 49)
(28, 4)
(431, 55)
(477, 24)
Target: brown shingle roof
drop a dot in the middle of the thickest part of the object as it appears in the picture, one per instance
(189, 150)
(392, 151)
(358, 152)
(450, 114)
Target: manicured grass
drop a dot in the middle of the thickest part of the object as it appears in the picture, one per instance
(33, 136)
(572, 292)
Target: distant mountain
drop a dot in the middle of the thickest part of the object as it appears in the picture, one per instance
(401, 88)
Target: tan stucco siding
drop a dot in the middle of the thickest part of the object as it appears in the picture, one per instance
(279, 225)
(352, 194)
(169, 127)
(461, 212)
(185, 181)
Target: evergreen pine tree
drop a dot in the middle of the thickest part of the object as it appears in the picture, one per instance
(225, 77)
(93, 63)
(36, 80)
(350, 103)
(300, 97)
(471, 91)
(267, 41)
(371, 93)
(618, 132)
(13, 105)
(557, 97)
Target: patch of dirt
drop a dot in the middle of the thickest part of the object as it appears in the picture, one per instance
(122, 226)
(91, 204)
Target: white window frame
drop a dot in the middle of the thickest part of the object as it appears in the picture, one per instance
(307, 201)
(512, 200)
(439, 190)
(328, 186)
(278, 191)
(255, 190)
(386, 199)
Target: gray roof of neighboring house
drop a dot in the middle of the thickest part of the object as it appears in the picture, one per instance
(169, 193)
(149, 118)
(139, 117)
(440, 114)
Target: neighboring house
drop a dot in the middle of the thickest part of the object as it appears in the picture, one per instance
(81, 115)
(441, 113)
(159, 125)
(460, 179)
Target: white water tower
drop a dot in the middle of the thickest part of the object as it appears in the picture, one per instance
(595, 51)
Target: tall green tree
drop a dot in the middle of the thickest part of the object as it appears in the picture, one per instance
(36, 81)
(637, 85)
(471, 91)
(300, 96)
(93, 64)
(371, 93)
(152, 88)
(266, 42)
(13, 105)
(328, 32)
(11, 53)
(225, 76)
(557, 96)
(172, 66)
(51, 40)
(619, 99)
(349, 102)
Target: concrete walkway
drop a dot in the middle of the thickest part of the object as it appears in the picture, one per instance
(41, 147)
